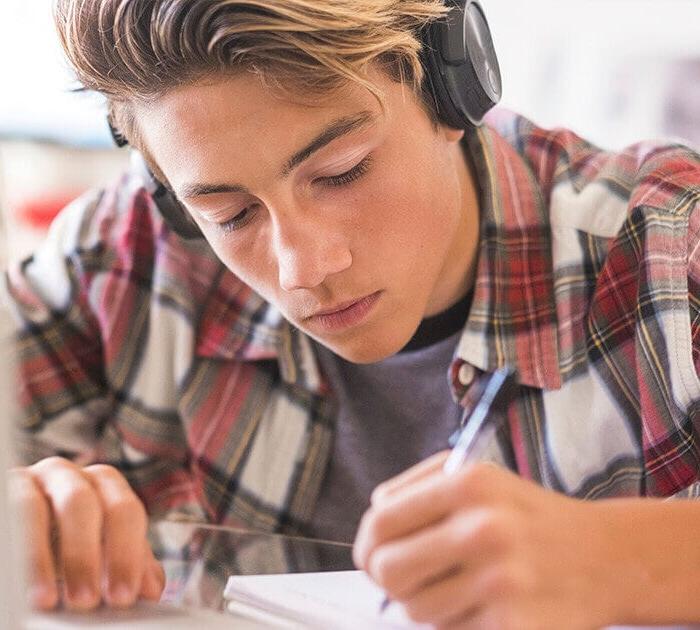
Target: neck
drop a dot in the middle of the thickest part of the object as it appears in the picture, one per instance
(459, 271)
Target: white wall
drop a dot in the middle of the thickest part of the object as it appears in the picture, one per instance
(603, 67)
(35, 81)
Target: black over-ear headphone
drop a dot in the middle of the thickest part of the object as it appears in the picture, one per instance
(461, 75)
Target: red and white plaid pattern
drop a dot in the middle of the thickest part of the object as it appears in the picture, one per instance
(141, 350)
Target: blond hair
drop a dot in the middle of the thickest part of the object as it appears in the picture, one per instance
(131, 50)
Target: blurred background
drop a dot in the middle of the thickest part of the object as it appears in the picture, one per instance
(615, 71)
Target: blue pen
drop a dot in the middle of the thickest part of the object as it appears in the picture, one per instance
(476, 430)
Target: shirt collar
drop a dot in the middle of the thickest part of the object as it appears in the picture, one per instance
(235, 323)
(512, 320)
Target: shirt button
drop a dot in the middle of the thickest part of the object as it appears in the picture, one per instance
(465, 374)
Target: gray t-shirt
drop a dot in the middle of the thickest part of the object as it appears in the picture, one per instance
(392, 414)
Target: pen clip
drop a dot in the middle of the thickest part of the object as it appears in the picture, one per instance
(499, 403)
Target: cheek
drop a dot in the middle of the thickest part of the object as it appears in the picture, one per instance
(407, 218)
(250, 261)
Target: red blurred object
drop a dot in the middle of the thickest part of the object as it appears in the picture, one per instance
(38, 212)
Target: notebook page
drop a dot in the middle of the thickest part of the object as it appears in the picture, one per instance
(342, 600)
(335, 599)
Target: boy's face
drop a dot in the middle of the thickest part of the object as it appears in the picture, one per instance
(354, 240)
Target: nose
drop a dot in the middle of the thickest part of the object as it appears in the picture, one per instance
(308, 252)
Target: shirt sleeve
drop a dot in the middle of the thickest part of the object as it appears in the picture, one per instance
(83, 307)
(664, 230)
(693, 490)
(64, 404)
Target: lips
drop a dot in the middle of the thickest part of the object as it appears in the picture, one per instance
(340, 307)
(345, 314)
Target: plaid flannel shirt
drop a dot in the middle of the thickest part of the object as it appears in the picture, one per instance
(141, 350)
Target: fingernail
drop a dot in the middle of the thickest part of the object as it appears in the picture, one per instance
(152, 586)
(82, 596)
(42, 596)
(120, 594)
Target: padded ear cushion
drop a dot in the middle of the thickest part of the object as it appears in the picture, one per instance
(462, 71)
(175, 215)
(172, 211)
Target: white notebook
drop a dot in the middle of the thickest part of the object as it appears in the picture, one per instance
(335, 599)
(340, 600)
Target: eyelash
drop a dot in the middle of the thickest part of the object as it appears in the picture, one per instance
(344, 179)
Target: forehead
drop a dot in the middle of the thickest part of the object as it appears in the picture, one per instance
(206, 128)
(237, 114)
(244, 106)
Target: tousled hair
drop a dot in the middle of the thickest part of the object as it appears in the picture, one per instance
(137, 50)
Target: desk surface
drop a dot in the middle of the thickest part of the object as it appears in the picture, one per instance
(198, 559)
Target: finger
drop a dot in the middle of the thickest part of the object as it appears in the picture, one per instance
(421, 504)
(502, 616)
(153, 581)
(443, 602)
(29, 500)
(492, 589)
(465, 539)
(421, 470)
(124, 534)
(78, 519)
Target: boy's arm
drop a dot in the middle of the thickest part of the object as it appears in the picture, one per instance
(66, 407)
(64, 403)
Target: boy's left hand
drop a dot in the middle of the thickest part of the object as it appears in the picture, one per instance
(485, 548)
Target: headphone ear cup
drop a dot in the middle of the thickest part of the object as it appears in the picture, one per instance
(461, 66)
(433, 85)
(174, 214)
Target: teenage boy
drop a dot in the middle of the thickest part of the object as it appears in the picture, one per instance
(363, 263)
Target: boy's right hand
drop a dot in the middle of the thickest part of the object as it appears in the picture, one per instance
(86, 536)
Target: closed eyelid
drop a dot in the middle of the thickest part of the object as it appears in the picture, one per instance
(217, 212)
(340, 128)
(348, 159)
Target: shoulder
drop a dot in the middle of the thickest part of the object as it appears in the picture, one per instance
(112, 245)
(596, 189)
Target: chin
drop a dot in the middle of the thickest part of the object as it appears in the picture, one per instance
(365, 350)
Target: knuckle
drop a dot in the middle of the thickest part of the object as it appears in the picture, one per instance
(382, 570)
(373, 524)
(492, 530)
(380, 522)
(77, 499)
(54, 462)
(474, 477)
(126, 508)
(503, 584)
(104, 471)
(469, 529)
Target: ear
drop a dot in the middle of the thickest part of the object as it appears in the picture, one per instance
(450, 134)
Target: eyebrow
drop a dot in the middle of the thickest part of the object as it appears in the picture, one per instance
(334, 130)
